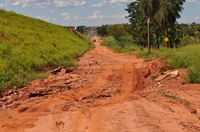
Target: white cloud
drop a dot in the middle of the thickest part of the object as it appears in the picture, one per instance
(25, 5)
(99, 5)
(45, 18)
(191, 1)
(97, 15)
(43, 4)
(16, 3)
(54, 19)
(118, 15)
(197, 18)
(52, 11)
(68, 16)
(47, 3)
(68, 3)
(65, 15)
(121, 2)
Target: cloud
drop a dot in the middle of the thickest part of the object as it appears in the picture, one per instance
(118, 15)
(65, 15)
(68, 16)
(121, 2)
(191, 1)
(99, 5)
(54, 19)
(97, 15)
(68, 3)
(16, 3)
(47, 3)
(25, 5)
(45, 18)
(197, 18)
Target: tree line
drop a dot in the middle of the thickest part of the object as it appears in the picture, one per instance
(152, 23)
(159, 15)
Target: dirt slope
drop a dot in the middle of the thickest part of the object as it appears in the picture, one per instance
(109, 92)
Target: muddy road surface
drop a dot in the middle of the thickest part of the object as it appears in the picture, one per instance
(108, 92)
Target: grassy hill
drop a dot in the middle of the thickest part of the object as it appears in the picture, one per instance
(29, 45)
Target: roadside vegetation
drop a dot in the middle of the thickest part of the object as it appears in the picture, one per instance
(177, 44)
(28, 46)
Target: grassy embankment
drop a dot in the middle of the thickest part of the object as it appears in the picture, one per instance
(187, 57)
(29, 45)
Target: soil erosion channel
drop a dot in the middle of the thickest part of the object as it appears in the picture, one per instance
(108, 92)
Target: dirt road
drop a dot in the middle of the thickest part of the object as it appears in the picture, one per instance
(108, 92)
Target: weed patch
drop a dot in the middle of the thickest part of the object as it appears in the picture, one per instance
(168, 95)
(119, 47)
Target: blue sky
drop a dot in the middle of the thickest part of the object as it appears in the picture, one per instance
(87, 12)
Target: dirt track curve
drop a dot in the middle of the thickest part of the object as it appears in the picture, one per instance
(108, 92)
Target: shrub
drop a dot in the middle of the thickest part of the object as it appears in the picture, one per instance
(119, 47)
(193, 76)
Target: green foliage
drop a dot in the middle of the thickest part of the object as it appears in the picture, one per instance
(37, 75)
(28, 45)
(102, 31)
(119, 47)
(193, 76)
(10, 79)
(161, 20)
(168, 95)
(121, 32)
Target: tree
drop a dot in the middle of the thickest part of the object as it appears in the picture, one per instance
(121, 32)
(168, 13)
(148, 8)
(137, 22)
(159, 14)
(102, 30)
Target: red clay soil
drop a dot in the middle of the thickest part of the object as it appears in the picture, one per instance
(108, 92)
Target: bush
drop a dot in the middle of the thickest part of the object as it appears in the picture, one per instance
(119, 47)
(193, 76)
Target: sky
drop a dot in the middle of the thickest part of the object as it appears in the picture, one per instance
(87, 12)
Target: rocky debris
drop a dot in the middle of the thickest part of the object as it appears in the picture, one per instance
(65, 80)
(172, 75)
(62, 70)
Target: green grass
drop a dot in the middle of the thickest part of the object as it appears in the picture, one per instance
(187, 57)
(168, 95)
(119, 47)
(28, 45)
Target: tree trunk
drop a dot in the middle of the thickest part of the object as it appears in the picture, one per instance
(148, 24)
(157, 42)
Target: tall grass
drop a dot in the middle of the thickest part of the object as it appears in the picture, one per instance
(187, 57)
(119, 47)
(28, 44)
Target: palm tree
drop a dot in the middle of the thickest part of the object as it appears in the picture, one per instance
(149, 8)
(168, 13)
